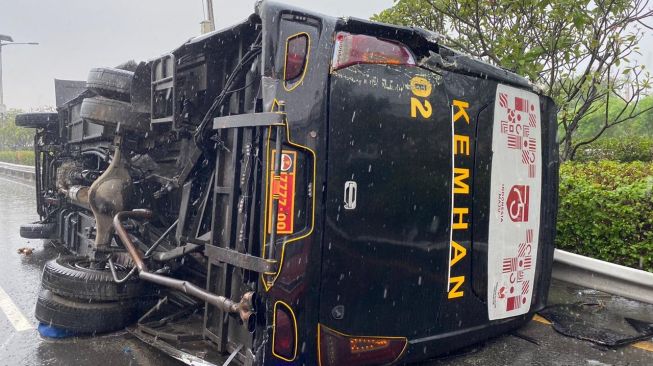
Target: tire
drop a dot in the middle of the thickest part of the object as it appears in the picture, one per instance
(111, 83)
(72, 277)
(37, 120)
(109, 112)
(37, 231)
(87, 317)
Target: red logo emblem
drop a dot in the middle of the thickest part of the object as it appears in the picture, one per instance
(517, 203)
(286, 162)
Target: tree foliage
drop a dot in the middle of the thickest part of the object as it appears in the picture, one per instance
(639, 126)
(578, 51)
(13, 137)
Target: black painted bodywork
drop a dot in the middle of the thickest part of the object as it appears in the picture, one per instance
(385, 263)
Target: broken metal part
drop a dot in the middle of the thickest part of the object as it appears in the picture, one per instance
(154, 327)
(232, 355)
(249, 120)
(240, 260)
(177, 252)
(179, 354)
(183, 207)
(160, 239)
(244, 308)
(188, 162)
(449, 59)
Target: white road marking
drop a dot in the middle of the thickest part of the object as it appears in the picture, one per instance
(13, 313)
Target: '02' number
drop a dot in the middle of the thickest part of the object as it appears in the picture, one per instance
(421, 88)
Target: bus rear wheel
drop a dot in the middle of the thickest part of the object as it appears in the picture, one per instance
(77, 277)
(87, 317)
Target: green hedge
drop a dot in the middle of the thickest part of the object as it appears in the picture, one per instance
(606, 211)
(624, 149)
(24, 157)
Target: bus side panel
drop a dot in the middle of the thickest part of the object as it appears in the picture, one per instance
(406, 255)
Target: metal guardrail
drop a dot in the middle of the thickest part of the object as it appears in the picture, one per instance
(22, 172)
(599, 275)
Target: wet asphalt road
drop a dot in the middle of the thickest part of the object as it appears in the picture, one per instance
(20, 279)
(534, 344)
(539, 344)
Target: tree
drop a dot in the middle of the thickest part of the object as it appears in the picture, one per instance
(13, 137)
(638, 127)
(577, 51)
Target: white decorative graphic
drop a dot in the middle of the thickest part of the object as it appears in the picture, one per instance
(514, 202)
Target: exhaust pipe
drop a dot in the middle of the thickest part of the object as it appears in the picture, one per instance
(244, 309)
(78, 194)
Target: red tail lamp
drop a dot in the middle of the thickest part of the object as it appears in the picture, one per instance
(296, 57)
(352, 49)
(337, 349)
(284, 334)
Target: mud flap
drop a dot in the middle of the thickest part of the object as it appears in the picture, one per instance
(595, 323)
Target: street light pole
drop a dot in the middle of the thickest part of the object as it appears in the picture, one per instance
(3, 109)
(7, 41)
(208, 24)
(2, 104)
(209, 11)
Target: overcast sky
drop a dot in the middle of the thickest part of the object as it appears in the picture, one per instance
(77, 35)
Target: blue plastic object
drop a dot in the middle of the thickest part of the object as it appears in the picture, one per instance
(54, 332)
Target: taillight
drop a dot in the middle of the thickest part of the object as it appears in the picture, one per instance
(352, 49)
(337, 349)
(284, 333)
(297, 48)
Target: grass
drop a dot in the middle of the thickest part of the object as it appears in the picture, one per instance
(23, 157)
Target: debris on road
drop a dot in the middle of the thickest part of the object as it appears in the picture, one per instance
(25, 251)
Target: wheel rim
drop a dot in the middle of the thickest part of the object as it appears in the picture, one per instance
(87, 265)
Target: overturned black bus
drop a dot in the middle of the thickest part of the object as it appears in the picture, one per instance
(298, 189)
